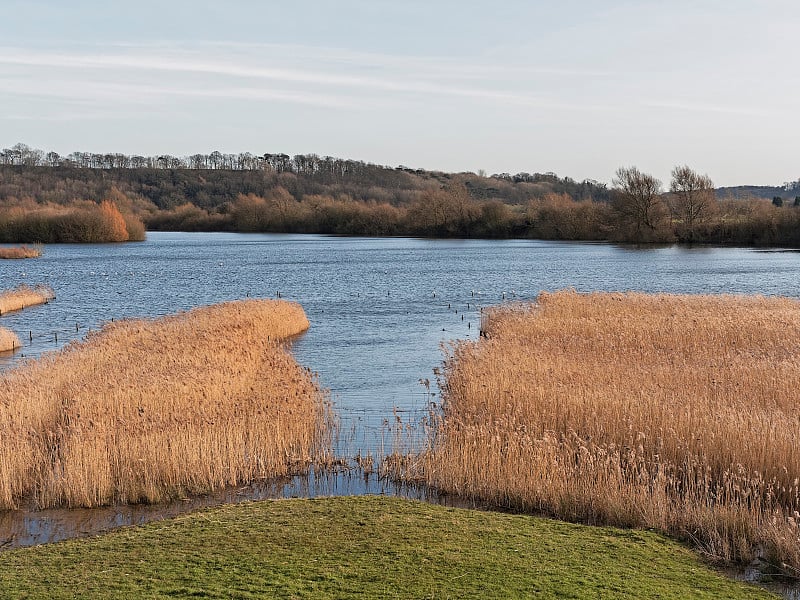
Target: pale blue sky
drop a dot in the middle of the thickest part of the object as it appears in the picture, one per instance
(575, 87)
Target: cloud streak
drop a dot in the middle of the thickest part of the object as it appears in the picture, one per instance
(341, 87)
(94, 93)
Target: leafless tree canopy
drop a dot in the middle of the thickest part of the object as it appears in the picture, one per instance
(638, 203)
(692, 198)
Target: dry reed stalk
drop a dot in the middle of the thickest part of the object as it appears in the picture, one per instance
(14, 252)
(679, 413)
(8, 340)
(23, 295)
(146, 410)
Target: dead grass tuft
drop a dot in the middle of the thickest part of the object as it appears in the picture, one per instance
(23, 295)
(14, 252)
(8, 340)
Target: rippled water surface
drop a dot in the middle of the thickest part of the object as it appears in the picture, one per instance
(379, 308)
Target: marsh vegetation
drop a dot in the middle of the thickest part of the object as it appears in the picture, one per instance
(74, 222)
(24, 295)
(8, 340)
(673, 413)
(147, 410)
(17, 252)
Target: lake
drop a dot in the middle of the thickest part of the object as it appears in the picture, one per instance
(380, 308)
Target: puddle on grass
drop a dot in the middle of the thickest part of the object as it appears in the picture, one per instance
(22, 528)
(764, 575)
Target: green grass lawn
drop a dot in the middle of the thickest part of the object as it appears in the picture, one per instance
(363, 547)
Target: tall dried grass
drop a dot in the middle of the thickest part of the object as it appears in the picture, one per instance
(8, 340)
(16, 252)
(23, 295)
(676, 413)
(146, 410)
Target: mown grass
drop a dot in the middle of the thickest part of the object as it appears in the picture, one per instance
(146, 410)
(363, 547)
(676, 413)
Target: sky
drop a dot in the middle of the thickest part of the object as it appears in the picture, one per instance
(575, 87)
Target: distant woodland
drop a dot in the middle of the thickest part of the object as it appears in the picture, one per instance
(88, 197)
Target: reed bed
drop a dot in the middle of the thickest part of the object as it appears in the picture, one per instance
(23, 296)
(148, 410)
(8, 340)
(14, 252)
(676, 413)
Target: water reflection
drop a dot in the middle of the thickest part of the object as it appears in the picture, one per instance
(22, 528)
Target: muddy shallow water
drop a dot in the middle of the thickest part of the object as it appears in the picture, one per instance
(22, 528)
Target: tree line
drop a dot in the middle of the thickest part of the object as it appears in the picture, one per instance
(308, 193)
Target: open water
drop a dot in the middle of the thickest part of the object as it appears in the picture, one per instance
(380, 310)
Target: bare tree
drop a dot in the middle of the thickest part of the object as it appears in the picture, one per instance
(693, 199)
(639, 206)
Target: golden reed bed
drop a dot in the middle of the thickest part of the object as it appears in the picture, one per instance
(146, 410)
(16, 252)
(23, 296)
(8, 340)
(678, 413)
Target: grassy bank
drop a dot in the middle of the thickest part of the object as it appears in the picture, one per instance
(8, 340)
(23, 295)
(674, 413)
(146, 410)
(363, 547)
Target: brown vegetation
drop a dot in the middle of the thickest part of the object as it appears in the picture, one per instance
(313, 194)
(8, 340)
(146, 410)
(77, 222)
(639, 207)
(16, 252)
(692, 200)
(677, 413)
(23, 295)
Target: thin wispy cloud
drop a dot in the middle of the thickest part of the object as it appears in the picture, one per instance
(575, 87)
(99, 94)
(424, 66)
(710, 108)
(337, 86)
